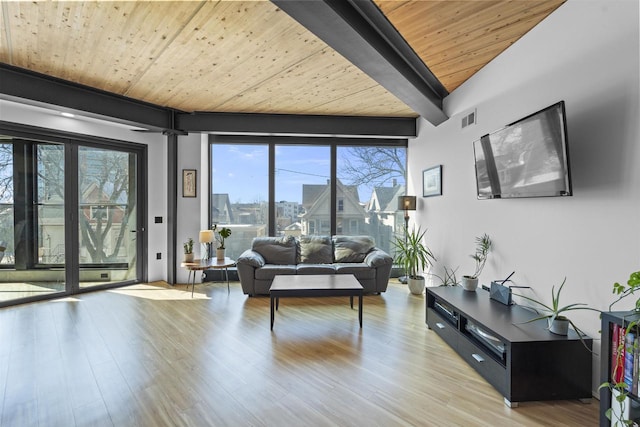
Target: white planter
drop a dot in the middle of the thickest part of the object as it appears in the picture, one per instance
(416, 285)
(559, 326)
(220, 254)
(469, 283)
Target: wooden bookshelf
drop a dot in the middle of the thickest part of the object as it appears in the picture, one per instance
(609, 319)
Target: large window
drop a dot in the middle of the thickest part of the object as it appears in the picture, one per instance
(285, 186)
(302, 178)
(370, 180)
(240, 193)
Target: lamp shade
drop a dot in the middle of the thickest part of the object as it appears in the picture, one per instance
(206, 236)
(407, 203)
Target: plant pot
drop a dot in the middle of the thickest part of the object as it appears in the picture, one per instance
(416, 285)
(469, 283)
(188, 257)
(559, 326)
(220, 254)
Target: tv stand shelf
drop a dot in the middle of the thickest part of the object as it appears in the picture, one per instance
(523, 361)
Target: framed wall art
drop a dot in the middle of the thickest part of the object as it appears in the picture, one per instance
(189, 182)
(432, 181)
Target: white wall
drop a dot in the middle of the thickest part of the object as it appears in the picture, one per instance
(587, 54)
(157, 166)
(191, 216)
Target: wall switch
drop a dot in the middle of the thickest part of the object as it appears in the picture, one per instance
(158, 255)
(158, 220)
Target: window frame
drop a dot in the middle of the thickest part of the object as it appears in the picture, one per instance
(272, 141)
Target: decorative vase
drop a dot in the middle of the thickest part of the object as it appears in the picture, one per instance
(469, 283)
(559, 326)
(188, 257)
(220, 254)
(416, 285)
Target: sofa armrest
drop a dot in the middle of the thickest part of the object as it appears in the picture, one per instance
(251, 258)
(378, 257)
(246, 265)
(382, 263)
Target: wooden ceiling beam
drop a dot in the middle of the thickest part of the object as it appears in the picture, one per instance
(359, 32)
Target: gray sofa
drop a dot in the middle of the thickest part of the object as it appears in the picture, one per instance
(271, 256)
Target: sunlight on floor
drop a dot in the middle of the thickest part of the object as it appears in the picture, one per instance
(158, 293)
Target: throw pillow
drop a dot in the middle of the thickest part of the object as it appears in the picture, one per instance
(276, 250)
(352, 248)
(316, 250)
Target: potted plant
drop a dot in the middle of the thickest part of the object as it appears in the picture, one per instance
(483, 247)
(221, 233)
(413, 256)
(557, 321)
(188, 250)
(448, 277)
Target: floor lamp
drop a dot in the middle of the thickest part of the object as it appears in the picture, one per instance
(406, 204)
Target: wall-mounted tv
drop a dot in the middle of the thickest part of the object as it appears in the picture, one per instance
(528, 158)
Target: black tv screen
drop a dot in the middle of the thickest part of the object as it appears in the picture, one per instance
(528, 158)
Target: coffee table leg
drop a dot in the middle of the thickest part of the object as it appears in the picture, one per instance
(351, 301)
(226, 270)
(272, 313)
(277, 303)
(360, 309)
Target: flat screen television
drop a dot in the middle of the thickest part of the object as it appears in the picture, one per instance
(528, 158)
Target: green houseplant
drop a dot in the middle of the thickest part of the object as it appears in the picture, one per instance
(448, 277)
(221, 233)
(412, 255)
(188, 250)
(555, 314)
(483, 247)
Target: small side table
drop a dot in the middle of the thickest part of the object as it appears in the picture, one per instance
(207, 264)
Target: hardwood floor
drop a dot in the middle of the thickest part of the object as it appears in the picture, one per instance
(149, 355)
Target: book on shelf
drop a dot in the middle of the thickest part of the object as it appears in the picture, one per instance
(636, 365)
(617, 353)
(629, 342)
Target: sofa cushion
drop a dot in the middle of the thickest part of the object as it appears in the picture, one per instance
(358, 269)
(316, 250)
(316, 269)
(276, 250)
(352, 248)
(269, 271)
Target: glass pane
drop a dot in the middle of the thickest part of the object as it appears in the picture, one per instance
(303, 190)
(6, 204)
(370, 181)
(107, 216)
(27, 218)
(240, 193)
(50, 197)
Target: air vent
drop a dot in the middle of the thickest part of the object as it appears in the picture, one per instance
(470, 118)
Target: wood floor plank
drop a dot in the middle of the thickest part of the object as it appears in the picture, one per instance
(150, 355)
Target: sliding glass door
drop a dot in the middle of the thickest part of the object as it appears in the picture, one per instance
(70, 216)
(107, 210)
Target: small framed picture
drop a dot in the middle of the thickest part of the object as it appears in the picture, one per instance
(189, 182)
(432, 181)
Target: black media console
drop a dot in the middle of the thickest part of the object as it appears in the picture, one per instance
(523, 361)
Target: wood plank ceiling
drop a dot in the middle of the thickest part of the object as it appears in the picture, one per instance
(249, 57)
